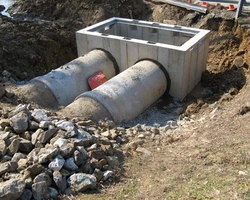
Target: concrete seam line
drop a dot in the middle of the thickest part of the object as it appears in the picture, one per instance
(111, 57)
(163, 70)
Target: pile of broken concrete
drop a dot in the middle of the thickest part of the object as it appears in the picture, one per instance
(43, 156)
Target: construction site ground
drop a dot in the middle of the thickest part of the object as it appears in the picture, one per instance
(208, 155)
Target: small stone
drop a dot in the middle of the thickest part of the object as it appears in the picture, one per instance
(83, 151)
(39, 115)
(25, 145)
(47, 153)
(26, 195)
(32, 156)
(67, 150)
(35, 169)
(95, 164)
(61, 142)
(85, 123)
(44, 136)
(65, 125)
(70, 164)
(87, 168)
(22, 164)
(4, 167)
(35, 136)
(33, 125)
(106, 134)
(113, 161)
(43, 177)
(108, 150)
(3, 148)
(106, 167)
(4, 135)
(11, 189)
(13, 147)
(60, 181)
(80, 182)
(12, 166)
(107, 174)
(92, 147)
(103, 162)
(98, 174)
(17, 156)
(26, 135)
(19, 122)
(243, 173)
(84, 138)
(141, 136)
(97, 154)
(57, 163)
(79, 158)
(45, 124)
(40, 190)
(18, 109)
(4, 122)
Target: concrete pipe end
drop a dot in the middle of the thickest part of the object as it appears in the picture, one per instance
(86, 108)
(37, 92)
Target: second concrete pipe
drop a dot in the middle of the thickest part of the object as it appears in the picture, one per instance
(123, 97)
(62, 85)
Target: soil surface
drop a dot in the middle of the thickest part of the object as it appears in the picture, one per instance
(207, 155)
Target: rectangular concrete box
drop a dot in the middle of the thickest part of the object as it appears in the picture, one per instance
(182, 51)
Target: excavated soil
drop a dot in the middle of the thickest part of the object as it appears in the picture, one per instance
(207, 156)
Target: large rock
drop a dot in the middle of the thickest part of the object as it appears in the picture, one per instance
(25, 145)
(11, 189)
(84, 138)
(39, 115)
(35, 136)
(13, 147)
(47, 153)
(70, 164)
(60, 181)
(40, 190)
(43, 177)
(80, 182)
(65, 125)
(57, 163)
(61, 142)
(35, 169)
(79, 157)
(44, 136)
(19, 122)
(67, 150)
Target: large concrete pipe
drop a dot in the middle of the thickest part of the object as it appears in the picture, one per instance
(123, 97)
(63, 85)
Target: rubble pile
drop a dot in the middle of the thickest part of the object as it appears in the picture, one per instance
(43, 156)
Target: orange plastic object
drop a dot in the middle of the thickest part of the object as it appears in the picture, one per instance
(97, 79)
(204, 4)
(231, 7)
